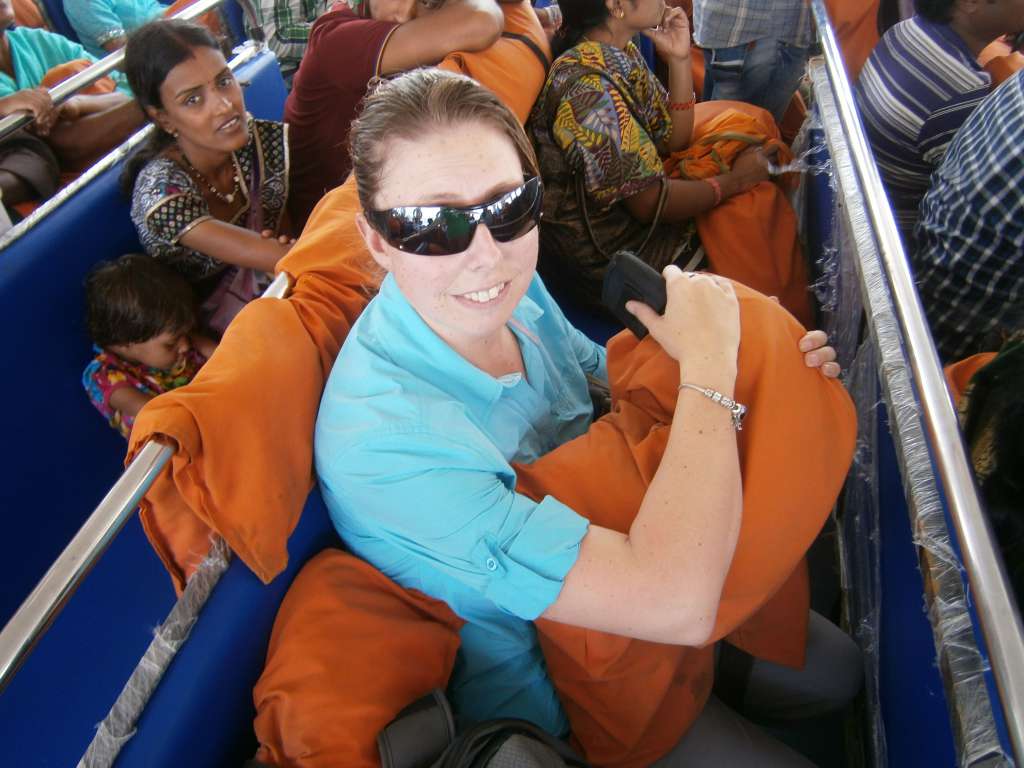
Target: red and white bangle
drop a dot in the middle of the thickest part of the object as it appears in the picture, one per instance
(716, 188)
(682, 106)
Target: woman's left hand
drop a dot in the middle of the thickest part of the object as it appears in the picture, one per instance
(672, 38)
(818, 354)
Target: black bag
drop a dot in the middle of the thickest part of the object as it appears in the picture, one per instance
(508, 744)
(422, 736)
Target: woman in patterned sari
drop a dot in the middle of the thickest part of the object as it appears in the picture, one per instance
(603, 127)
(209, 190)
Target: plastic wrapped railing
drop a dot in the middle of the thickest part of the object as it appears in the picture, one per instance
(975, 623)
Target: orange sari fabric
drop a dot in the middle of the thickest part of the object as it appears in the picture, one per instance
(795, 449)
(751, 238)
(62, 72)
(247, 479)
(509, 68)
(349, 650)
(959, 374)
(856, 26)
(1000, 62)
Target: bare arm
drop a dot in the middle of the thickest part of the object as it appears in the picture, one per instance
(79, 141)
(458, 25)
(235, 245)
(663, 581)
(687, 199)
(128, 401)
(672, 42)
(114, 44)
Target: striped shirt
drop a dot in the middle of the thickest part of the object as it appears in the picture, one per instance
(916, 90)
(969, 263)
(718, 24)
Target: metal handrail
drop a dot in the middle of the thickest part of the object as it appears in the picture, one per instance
(45, 602)
(243, 54)
(997, 610)
(64, 90)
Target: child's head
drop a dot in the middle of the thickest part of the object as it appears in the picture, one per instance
(140, 310)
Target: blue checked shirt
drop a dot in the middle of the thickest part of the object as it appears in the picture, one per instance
(727, 23)
(969, 261)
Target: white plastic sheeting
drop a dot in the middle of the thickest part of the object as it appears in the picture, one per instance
(119, 725)
(881, 359)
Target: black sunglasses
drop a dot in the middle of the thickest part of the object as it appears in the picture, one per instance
(442, 230)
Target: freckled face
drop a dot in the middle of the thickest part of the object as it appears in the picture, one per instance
(203, 103)
(465, 297)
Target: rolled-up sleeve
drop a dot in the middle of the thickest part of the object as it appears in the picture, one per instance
(453, 507)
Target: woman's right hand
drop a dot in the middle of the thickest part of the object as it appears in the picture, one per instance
(750, 168)
(35, 101)
(701, 325)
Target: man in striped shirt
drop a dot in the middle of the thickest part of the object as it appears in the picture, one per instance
(920, 84)
(969, 264)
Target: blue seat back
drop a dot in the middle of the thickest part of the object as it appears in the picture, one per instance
(67, 457)
(62, 458)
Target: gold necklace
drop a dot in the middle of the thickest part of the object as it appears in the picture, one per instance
(228, 198)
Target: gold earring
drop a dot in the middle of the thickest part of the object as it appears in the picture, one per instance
(619, 13)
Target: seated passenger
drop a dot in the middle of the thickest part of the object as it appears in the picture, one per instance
(462, 364)
(28, 167)
(969, 255)
(286, 25)
(918, 87)
(755, 50)
(210, 188)
(87, 126)
(604, 126)
(347, 48)
(142, 318)
(103, 26)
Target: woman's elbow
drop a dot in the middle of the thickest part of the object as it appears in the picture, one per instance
(485, 26)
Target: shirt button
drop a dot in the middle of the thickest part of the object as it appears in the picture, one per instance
(492, 564)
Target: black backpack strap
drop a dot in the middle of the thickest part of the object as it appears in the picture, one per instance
(476, 747)
(418, 734)
(531, 45)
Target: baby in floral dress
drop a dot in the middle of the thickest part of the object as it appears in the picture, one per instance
(142, 317)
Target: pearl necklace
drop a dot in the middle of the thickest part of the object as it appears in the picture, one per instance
(228, 198)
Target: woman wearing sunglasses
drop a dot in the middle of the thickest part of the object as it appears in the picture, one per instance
(463, 364)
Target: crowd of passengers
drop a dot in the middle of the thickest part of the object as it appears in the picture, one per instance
(462, 383)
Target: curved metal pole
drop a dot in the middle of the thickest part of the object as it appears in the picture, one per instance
(997, 609)
(46, 601)
(67, 88)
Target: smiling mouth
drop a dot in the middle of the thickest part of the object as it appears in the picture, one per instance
(231, 124)
(485, 296)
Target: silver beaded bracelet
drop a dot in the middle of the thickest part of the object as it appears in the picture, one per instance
(738, 410)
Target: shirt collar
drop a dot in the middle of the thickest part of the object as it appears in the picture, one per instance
(416, 348)
(948, 34)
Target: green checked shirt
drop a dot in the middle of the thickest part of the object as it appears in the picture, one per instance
(286, 25)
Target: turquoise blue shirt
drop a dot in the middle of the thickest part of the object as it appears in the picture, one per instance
(34, 52)
(99, 21)
(413, 449)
